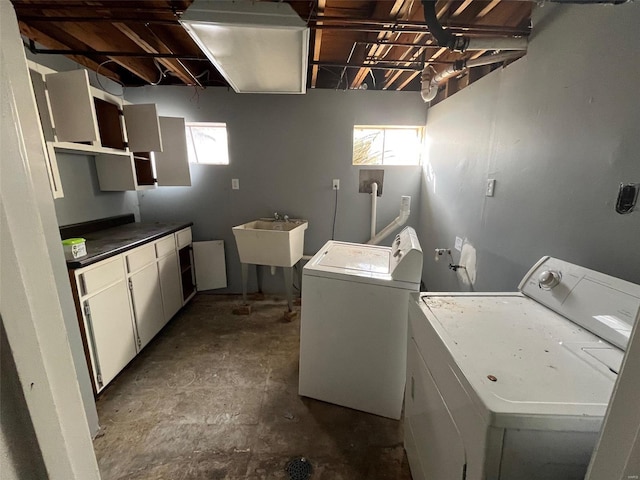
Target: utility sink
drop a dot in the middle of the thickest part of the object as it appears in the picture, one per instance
(271, 242)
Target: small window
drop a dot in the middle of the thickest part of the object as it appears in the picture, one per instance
(374, 145)
(207, 143)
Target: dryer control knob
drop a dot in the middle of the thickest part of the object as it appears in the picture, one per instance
(548, 279)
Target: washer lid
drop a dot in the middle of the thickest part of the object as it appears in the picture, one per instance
(520, 360)
(355, 262)
(356, 257)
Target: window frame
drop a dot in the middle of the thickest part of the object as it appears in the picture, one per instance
(420, 129)
(191, 144)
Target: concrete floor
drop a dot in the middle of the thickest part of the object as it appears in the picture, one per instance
(214, 396)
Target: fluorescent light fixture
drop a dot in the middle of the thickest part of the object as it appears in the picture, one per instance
(259, 47)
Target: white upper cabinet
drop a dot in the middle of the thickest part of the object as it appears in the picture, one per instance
(172, 164)
(40, 93)
(143, 128)
(126, 140)
(72, 106)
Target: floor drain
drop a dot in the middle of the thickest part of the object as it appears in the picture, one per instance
(299, 469)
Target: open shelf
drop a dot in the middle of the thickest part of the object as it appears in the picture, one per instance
(186, 269)
(144, 168)
(109, 124)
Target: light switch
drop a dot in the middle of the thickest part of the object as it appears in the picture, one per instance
(235, 184)
(458, 244)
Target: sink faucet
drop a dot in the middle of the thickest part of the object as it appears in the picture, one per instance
(286, 218)
(276, 216)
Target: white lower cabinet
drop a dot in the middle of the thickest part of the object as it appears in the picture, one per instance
(146, 300)
(109, 326)
(106, 319)
(170, 284)
(124, 301)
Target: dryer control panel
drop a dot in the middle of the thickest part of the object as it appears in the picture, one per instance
(604, 305)
(406, 257)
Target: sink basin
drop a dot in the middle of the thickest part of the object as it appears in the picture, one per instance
(271, 242)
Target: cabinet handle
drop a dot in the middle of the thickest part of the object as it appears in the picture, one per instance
(92, 340)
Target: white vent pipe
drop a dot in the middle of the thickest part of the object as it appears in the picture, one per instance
(405, 209)
(429, 88)
(497, 43)
(374, 208)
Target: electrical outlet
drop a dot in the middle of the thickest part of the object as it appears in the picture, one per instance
(491, 185)
(458, 244)
(336, 184)
(235, 184)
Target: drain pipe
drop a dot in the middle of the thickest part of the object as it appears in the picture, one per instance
(405, 209)
(374, 208)
(430, 83)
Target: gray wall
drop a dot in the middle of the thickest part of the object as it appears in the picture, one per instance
(83, 199)
(20, 456)
(558, 130)
(285, 150)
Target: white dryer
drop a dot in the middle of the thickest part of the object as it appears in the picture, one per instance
(515, 386)
(353, 328)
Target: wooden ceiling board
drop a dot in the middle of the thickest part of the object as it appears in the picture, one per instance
(105, 37)
(150, 27)
(152, 44)
(50, 42)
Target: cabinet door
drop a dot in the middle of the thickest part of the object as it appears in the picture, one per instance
(74, 116)
(110, 332)
(438, 446)
(116, 172)
(170, 284)
(172, 164)
(143, 129)
(147, 303)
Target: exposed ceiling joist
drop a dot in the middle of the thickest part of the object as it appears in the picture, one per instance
(493, 4)
(154, 45)
(43, 39)
(384, 44)
(317, 43)
(463, 6)
(378, 50)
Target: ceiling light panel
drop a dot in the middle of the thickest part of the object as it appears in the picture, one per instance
(259, 47)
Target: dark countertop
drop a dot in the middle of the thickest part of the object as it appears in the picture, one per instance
(109, 242)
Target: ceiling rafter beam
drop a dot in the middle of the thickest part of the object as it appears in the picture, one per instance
(114, 53)
(463, 6)
(408, 80)
(443, 9)
(103, 39)
(94, 19)
(415, 56)
(377, 50)
(485, 11)
(392, 77)
(44, 39)
(317, 42)
(173, 64)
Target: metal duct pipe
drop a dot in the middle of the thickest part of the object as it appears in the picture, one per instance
(497, 43)
(429, 88)
(491, 59)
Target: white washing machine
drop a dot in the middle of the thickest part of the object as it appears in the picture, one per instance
(353, 329)
(515, 385)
